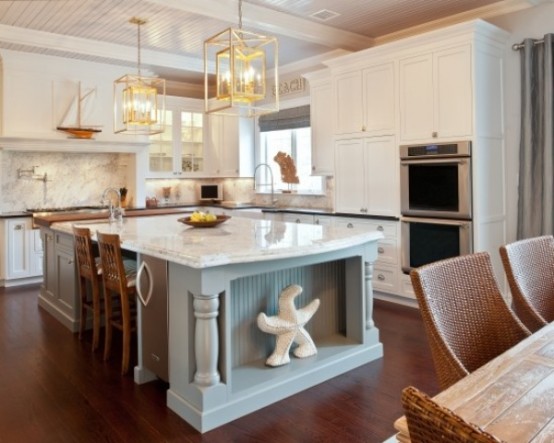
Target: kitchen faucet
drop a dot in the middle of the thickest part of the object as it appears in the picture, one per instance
(116, 214)
(273, 200)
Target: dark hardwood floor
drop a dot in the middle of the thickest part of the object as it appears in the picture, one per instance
(54, 389)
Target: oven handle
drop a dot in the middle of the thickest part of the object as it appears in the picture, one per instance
(436, 221)
(440, 161)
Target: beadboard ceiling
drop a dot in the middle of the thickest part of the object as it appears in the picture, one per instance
(172, 39)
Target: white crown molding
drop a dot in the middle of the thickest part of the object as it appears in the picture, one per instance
(484, 12)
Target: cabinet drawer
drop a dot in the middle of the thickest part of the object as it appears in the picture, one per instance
(386, 253)
(387, 228)
(385, 279)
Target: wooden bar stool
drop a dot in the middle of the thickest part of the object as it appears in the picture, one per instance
(119, 279)
(89, 270)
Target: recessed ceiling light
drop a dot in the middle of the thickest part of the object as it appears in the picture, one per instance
(325, 15)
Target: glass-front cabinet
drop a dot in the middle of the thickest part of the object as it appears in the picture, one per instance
(179, 150)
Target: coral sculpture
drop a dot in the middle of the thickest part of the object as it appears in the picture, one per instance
(288, 327)
(288, 169)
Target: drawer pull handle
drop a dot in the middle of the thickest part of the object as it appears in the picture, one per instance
(18, 227)
(380, 250)
(380, 228)
(349, 225)
(380, 277)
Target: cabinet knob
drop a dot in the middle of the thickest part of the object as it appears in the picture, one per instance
(380, 250)
(380, 277)
(313, 168)
(297, 220)
(434, 134)
(380, 228)
(349, 225)
(317, 222)
(364, 128)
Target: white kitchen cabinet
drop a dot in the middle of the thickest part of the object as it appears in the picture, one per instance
(436, 94)
(322, 122)
(24, 253)
(366, 172)
(364, 100)
(179, 150)
(229, 150)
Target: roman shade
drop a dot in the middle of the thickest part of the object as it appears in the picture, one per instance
(291, 118)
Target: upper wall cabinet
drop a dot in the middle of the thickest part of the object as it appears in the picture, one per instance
(179, 150)
(229, 146)
(364, 100)
(321, 122)
(436, 95)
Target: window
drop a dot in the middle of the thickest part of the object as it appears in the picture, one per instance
(288, 131)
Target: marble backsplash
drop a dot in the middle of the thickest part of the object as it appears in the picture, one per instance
(72, 179)
(77, 179)
(239, 190)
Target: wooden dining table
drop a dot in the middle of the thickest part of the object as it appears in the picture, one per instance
(511, 397)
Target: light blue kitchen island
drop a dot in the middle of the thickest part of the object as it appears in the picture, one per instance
(218, 281)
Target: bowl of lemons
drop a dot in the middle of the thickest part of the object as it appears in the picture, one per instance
(200, 219)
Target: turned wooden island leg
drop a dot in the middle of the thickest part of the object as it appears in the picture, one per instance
(206, 339)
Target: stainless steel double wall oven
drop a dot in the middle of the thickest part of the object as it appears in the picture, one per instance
(436, 202)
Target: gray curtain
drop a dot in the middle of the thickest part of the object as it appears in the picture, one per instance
(536, 157)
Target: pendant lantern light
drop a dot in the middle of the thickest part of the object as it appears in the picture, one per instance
(139, 102)
(239, 61)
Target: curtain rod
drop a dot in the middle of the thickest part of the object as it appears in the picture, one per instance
(518, 46)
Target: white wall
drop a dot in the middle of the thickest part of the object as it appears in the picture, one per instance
(529, 23)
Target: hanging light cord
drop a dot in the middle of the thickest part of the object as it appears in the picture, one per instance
(138, 21)
(240, 14)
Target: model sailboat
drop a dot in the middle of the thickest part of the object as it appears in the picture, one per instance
(71, 122)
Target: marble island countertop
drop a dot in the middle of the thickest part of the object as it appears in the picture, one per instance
(238, 240)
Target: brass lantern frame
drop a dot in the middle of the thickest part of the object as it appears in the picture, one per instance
(238, 60)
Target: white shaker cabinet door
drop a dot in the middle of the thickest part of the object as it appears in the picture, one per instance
(349, 176)
(381, 177)
(416, 97)
(453, 92)
(436, 95)
(18, 260)
(348, 97)
(321, 117)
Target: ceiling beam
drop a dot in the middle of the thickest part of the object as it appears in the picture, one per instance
(275, 22)
(94, 49)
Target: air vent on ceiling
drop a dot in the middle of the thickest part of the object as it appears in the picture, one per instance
(325, 15)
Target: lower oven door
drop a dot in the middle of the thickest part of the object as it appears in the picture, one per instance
(426, 240)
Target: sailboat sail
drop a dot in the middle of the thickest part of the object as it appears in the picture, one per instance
(80, 108)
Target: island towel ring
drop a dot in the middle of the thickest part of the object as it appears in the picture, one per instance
(144, 266)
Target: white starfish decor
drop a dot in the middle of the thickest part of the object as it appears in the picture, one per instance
(288, 327)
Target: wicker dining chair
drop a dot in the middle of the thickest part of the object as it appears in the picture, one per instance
(529, 267)
(119, 279)
(428, 422)
(466, 319)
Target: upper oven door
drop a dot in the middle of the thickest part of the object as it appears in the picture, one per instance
(438, 187)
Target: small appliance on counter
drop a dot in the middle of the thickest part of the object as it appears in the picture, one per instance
(210, 192)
